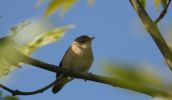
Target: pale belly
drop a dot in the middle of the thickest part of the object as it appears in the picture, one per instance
(82, 65)
(81, 62)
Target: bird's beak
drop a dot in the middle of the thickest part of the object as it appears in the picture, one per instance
(92, 38)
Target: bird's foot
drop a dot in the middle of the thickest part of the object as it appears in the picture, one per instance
(89, 73)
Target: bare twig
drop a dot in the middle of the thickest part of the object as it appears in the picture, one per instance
(96, 78)
(164, 11)
(153, 30)
(18, 92)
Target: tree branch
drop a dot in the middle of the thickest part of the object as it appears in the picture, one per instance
(115, 82)
(153, 30)
(17, 92)
(164, 11)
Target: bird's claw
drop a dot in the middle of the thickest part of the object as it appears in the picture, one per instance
(89, 73)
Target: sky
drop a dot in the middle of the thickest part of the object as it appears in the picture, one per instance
(119, 37)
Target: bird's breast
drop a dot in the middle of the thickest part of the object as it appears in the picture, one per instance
(79, 59)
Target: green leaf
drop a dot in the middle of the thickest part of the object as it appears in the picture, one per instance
(26, 40)
(53, 6)
(157, 4)
(7, 97)
(44, 39)
(7, 57)
(132, 73)
(10, 98)
(56, 4)
(67, 5)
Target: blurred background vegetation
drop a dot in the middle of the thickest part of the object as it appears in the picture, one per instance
(7, 97)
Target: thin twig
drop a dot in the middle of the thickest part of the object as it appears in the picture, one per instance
(18, 92)
(162, 14)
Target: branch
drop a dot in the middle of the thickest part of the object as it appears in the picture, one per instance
(115, 82)
(153, 30)
(164, 11)
(17, 92)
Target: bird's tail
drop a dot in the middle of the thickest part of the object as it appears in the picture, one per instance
(59, 85)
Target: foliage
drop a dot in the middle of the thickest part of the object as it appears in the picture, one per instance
(8, 97)
(8, 59)
(55, 4)
(136, 73)
(44, 39)
(6, 62)
(64, 5)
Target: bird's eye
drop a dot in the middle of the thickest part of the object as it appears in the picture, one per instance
(81, 41)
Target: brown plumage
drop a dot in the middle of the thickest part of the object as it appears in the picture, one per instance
(59, 85)
(78, 57)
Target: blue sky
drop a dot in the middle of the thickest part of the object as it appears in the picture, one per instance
(119, 37)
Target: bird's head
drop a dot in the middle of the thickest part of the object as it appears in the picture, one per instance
(83, 41)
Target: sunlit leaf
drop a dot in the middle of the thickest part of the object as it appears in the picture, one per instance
(67, 5)
(10, 98)
(27, 38)
(44, 39)
(137, 75)
(7, 97)
(56, 4)
(16, 29)
(7, 57)
(157, 4)
(64, 5)
(53, 6)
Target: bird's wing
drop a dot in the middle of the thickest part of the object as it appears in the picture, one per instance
(60, 65)
(61, 62)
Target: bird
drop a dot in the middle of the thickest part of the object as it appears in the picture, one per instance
(78, 57)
